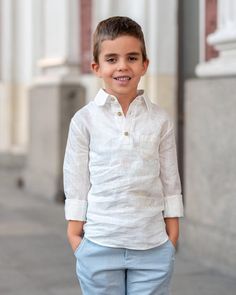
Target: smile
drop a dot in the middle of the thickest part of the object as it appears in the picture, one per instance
(122, 78)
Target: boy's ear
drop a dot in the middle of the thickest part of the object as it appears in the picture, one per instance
(95, 68)
(145, 66)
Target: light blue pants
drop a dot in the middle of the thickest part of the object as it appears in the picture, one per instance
(117, 271)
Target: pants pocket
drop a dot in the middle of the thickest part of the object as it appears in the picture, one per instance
(172, 246)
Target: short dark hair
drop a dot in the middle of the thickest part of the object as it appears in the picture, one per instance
(113, 27)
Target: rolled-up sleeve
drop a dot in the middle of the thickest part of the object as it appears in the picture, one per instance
(169, 174)
(76, 171)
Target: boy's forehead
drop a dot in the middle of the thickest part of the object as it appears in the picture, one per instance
(128, 44)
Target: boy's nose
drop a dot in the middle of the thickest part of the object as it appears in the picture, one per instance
(122, 65)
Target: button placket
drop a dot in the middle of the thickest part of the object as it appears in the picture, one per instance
(117, 115)
(127, 130)
(129, 121)
(124, 123)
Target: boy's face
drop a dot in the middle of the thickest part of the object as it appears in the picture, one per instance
(121, 66)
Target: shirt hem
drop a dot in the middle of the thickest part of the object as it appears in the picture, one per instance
(130, 248)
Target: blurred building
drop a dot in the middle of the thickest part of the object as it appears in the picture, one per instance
(45, 54)
(209, 135)
(45, 74)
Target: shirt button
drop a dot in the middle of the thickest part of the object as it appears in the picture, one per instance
(112, 99)
(126, 133)
(119, 114)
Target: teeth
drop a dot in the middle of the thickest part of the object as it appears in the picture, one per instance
(122, 78)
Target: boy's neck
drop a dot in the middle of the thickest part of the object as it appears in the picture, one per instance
(125, 101)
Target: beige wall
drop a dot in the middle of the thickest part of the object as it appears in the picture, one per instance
(161, 89)
(13, 117)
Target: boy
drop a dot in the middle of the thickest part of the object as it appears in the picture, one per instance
(120, 175)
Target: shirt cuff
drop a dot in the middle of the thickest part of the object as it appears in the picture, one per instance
(75, 209)
(173, 206)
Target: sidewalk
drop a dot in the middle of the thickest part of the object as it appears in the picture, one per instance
(35, 258)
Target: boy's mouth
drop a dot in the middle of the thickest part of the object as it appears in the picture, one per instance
(122, 78)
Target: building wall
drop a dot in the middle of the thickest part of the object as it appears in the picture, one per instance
(40, 39)
(191, 37)
(210, 167)
(16, 74)
(40, 46)
(208, 231)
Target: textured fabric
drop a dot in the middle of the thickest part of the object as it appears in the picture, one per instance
(121, 174)
(118, 271)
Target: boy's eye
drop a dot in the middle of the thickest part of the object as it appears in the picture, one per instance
(133, 58)
(111, 60)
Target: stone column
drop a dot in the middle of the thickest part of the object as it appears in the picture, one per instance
(209, 145)
(6, 75)
(55, 96)
(224, 40)
(162, 48)
(60, 37)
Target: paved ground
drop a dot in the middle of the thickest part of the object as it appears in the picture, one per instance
(35, 258)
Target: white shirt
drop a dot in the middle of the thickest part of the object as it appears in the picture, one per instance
(121, 174)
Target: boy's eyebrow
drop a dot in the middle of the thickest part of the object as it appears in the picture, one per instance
(134, 53)
(110, 54)
(115, 54)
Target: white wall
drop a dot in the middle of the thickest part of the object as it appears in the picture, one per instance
(17, 69)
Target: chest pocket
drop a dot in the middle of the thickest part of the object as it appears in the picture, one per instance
(148, 146)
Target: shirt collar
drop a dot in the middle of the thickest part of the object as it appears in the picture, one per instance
(103, 97)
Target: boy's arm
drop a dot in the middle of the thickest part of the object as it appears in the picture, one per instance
(76, 180)
(75, 233)
(173, 205)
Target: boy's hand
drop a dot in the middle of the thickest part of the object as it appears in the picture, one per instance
(74, 233)
(74, 242)
(173, 241)
(172, 229)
